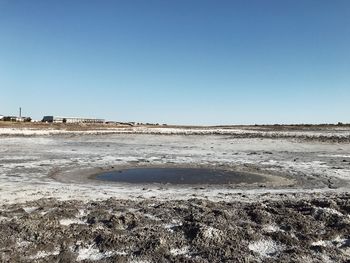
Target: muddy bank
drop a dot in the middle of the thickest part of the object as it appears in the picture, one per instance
(308, 229)
(222, 177)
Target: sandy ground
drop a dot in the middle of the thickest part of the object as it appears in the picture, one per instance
(53, 211)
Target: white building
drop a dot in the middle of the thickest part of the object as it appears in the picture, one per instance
(56, 119)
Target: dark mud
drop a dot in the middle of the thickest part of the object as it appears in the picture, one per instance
(310, 229)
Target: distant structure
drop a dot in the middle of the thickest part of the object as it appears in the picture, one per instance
(15, 119)
(55, 119)
(10, 118)
(18, 118)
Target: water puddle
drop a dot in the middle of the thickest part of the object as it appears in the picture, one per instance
(180, 176)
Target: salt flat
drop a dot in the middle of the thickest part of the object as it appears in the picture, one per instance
(306, 164)
(29, 161)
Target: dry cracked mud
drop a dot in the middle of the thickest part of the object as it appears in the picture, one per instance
(313, 228)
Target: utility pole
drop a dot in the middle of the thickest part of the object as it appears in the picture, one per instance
(20, 112)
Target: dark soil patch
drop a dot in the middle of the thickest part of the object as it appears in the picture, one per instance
(176, 231)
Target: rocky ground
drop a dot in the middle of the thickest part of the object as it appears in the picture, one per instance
(311, 229)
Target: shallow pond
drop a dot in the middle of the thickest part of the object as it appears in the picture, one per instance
(179, 176)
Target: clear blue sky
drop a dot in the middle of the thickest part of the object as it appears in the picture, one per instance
(180, 61)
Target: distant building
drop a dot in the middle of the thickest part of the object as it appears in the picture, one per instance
(54, 119)
(9, 118)
(23, 119)
(15, 119)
